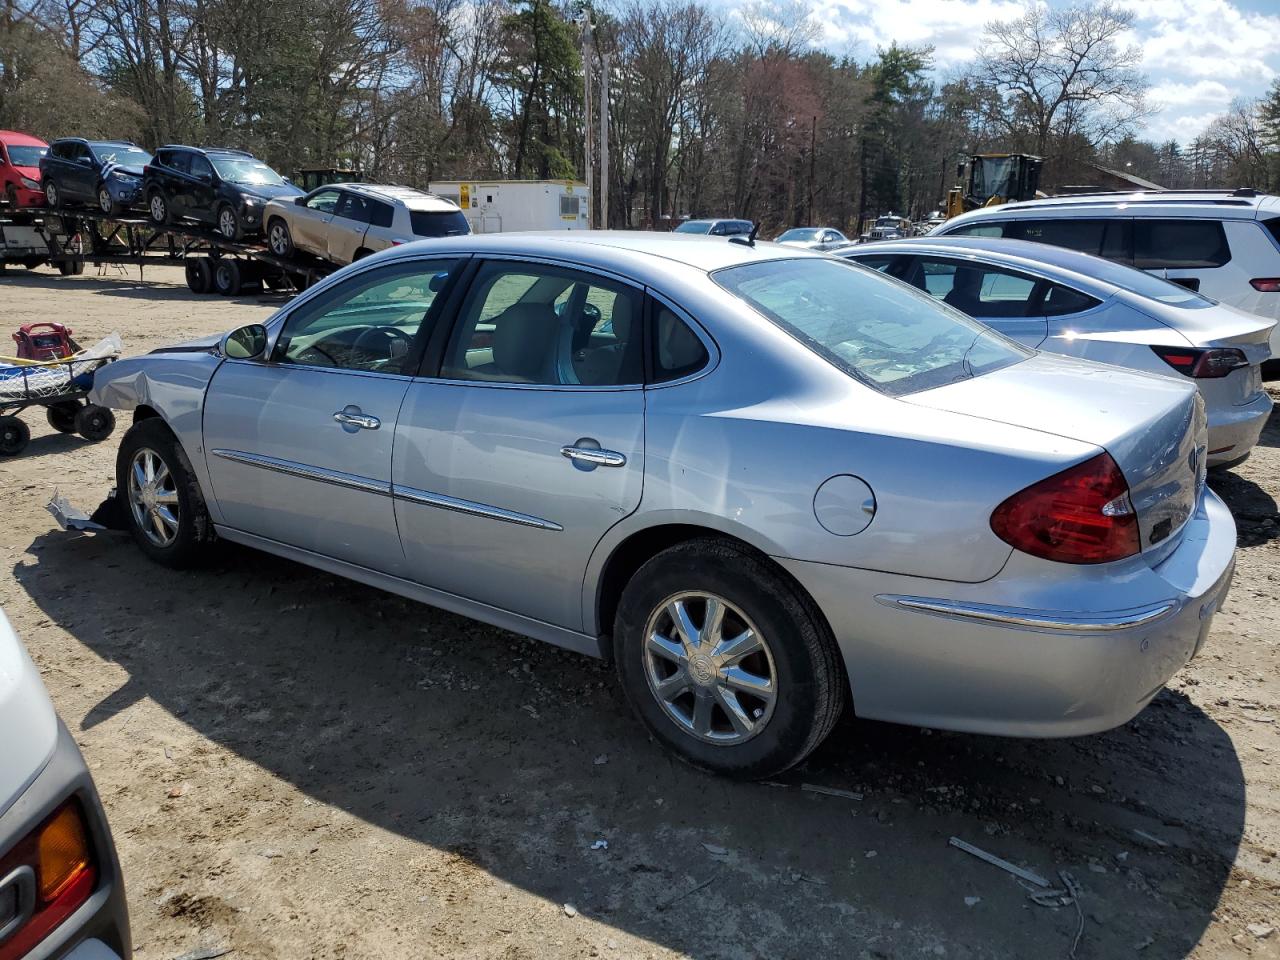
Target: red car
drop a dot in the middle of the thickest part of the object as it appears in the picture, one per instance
(20, 155)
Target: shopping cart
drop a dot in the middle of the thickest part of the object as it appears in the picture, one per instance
(61, 387)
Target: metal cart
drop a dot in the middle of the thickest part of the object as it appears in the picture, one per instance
(61, 387)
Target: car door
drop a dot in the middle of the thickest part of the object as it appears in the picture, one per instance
(299, 445)
(527, 443)
(309, 221)
(81, 179)
(346, 228)
(198, 189)
(1005, 300)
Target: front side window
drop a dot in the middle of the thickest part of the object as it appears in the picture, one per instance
(1179, 244)
(879, 331)
(526, 323)
(367, 323)
(200, 166)
(247, 172)
(323, 201)
(1083, 235)
(977, 289)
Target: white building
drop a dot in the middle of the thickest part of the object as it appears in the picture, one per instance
(504, 206)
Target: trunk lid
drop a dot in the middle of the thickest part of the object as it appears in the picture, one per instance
(1154, 428)
(1219, 325)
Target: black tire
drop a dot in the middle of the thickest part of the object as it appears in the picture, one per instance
(11, 194)
(279, 239)
(361, 254)
(227, 278)
(62, 416)
(106, 205)
(193, 530)
(808, 680)
(71, 268)
(227, 222)
(199, 274)
(14, 436)
(94, 423)
(52, 195)
(158, 207)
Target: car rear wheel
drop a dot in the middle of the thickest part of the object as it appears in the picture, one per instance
(158, 207)
(52, 195)
(164, 507)
(726, 661)
(279, 238)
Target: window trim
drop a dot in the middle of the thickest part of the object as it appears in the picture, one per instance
(654, 299)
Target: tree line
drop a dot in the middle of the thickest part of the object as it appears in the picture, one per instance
(709, 112)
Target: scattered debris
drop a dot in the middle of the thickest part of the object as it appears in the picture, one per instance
(529, 710)
(205, 953)
(830, 791)
(869, 854)
(179, 790)
(600, 760)
(570, 910)
(271, 853)
(995, 861)
(714, 849)
(972, 901)
(681, 896)
(600, 845)
(1073, 888)
(1260, 930)
(1143, 835)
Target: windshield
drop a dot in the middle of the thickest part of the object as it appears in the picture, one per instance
(428, 223)
(246, 170)
(800, 233)
(881, 331)
(887, 222)
(994, 177)
(124, 156)
(694, 226)
(26, 156)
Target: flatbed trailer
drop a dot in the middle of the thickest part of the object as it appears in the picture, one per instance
(213, 264)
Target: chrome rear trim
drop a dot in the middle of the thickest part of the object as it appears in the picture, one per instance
(292, 468)
(470, 507)
(1047, 620)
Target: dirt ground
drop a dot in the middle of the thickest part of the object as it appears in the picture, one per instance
(295, 766)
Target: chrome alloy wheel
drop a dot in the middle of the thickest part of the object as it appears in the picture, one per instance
(158, 212)
(104, 200)
(227, 223)
(709, 668)
(153, 497)
(278, 238)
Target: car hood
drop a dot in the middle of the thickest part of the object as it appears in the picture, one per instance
(127, 169)
(30, 172)
(27, 718)
(268, 192)
(1153, 426)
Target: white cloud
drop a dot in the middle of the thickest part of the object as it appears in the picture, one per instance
(951, 27)
(1205, 38)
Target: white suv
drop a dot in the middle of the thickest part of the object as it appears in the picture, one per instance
(1224, 244)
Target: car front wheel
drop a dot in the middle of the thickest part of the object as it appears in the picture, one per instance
(105, 203)
(726, 661)
(279, 238)
(164, 507)
(228, 223)
(52, 195)
(158, 207)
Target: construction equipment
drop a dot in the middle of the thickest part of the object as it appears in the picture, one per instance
(990, 179)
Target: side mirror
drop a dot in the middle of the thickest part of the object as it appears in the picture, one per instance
(300, 201)
(247, 343)
(287, 180)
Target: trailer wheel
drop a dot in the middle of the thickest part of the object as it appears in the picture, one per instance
(95, 423)
(62, 416)
(14, 436)
(226, 277)
(199, 274)
(71, 268)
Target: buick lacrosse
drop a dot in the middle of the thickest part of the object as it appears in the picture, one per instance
(766, 483)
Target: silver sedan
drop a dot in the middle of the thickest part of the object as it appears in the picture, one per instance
(1079, 305)
(766, 482)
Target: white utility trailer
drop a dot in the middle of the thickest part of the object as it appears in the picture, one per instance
(504, 206)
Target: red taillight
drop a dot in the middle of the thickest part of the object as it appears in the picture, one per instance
(1081, 515)
(1203, 364)
(59, 876)
(1266, 284)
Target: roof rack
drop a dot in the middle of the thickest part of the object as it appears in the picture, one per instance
(1181, 191)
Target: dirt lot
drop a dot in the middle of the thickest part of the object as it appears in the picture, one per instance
(297, 767)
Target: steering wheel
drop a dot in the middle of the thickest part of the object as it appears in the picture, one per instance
(385, 337)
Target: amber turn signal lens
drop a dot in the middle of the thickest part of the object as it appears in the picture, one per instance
(62, 852)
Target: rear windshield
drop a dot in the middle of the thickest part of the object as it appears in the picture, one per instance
(800, 233)
(26, 156)
(881, 331)
(429, 223)
(1146, 285)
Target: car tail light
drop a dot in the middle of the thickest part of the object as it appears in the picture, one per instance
(1081, 515)
(1203, 364)
(50, 872)
(1266, 284)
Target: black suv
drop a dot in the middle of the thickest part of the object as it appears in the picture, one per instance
(224, 188)
(106, 174)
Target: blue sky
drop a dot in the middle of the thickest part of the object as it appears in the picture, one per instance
(1199, 54)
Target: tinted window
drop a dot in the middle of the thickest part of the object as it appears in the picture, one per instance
(882, 332)
(892, 265)
(1273, 227)
(353, 207)
(200, 166)
(368, 323)
(736, 227)
(1181, 244)
(1083, 235)
(380, 214)
(979, 229)
(976, 289)
(324, 201)
(1059, 300)
(180, 161)
(544, 325)
(677, 351)
(429, 223)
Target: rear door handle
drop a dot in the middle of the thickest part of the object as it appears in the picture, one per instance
(594, 457)
(352, 417)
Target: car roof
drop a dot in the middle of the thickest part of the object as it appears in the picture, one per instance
(411, 198)
(19, 139)
(1205, 204)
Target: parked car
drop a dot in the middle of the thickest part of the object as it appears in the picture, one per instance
(889, 227)
(717, 228)
(226, 189)
(1083, 306)
(344, 222)
(716, 462)
(61, 893)
(20, 155)
(1224, 244)
(813, 238)
(106, 174)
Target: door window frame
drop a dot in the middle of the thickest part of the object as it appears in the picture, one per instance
(1033, 306)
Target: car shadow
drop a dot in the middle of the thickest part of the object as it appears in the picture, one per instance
(131, 287)
(516, 757)
(45, 444)
(1256, 514)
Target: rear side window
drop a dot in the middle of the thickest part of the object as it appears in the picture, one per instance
(352, 207)
(1272, 227)
(975, 289)
(980, 229)
(1179, 244)
(677, 351)
(380, 214)
(429, 223)
(1060, 301)
(180, 161)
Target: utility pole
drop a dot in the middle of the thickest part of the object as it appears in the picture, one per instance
(586, 110)
(604, 143)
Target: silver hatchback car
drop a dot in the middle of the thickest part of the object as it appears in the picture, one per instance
(764, 481)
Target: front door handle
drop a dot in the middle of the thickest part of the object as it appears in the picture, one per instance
(593, 456)
(352, 419)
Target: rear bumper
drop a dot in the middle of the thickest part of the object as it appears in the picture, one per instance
(1234, 431)
(1041, 650)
